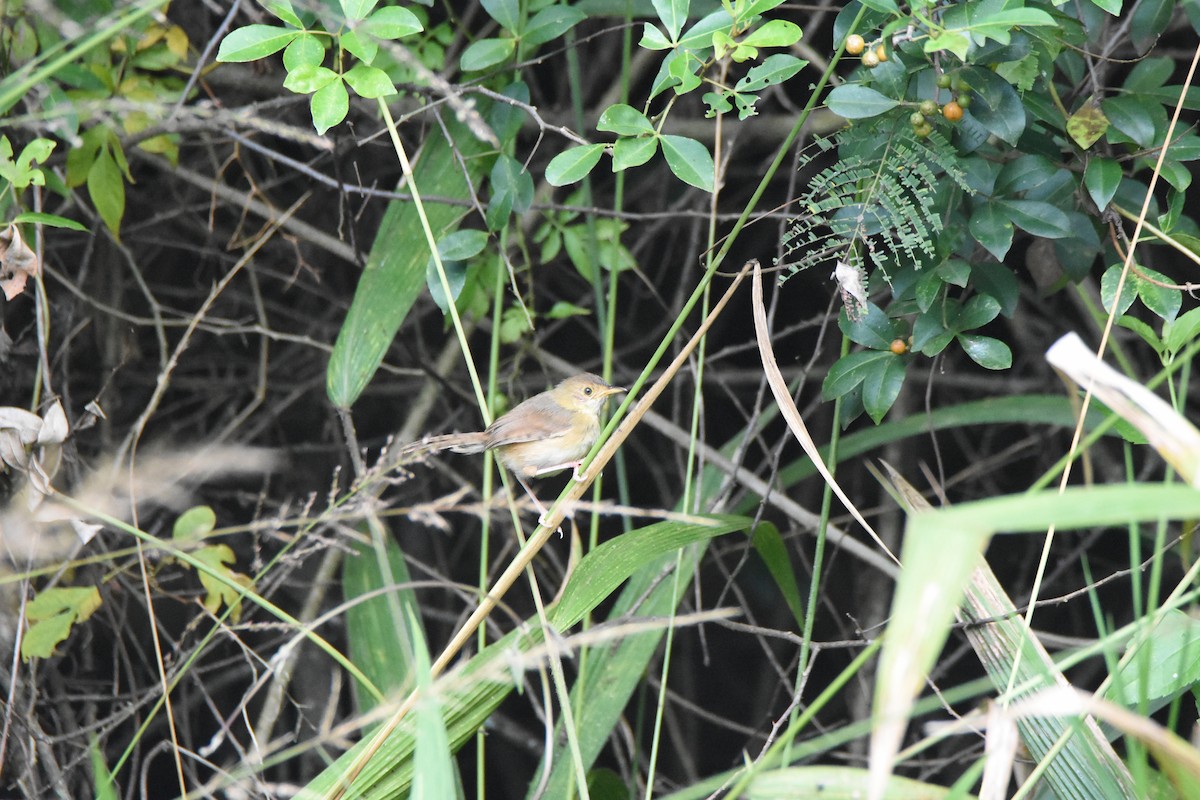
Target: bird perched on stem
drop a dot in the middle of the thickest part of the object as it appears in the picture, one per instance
(548, 432)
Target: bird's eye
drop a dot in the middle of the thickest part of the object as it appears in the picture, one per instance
(587, 390)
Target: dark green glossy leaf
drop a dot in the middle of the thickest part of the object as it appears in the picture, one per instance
(881, 386)
(1133, 116)
(977, 312)
(1102, 176)
(855, 101)
(985, 351)
(998, 281)
(850, 371)
(873, 329)
(1165, 302)
(551, 23)
(995, 104)
(506, 12)
(1108, 290)
(1040, 219)
(992, 228)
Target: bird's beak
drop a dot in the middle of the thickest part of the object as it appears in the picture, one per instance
(613, 390)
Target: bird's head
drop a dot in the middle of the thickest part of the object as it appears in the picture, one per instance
(584, 392)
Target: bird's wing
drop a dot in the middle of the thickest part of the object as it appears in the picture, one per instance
(544, 422)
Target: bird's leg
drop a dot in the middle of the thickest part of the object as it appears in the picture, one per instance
(542, 510)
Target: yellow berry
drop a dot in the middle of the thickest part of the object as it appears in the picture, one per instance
(855, 44)
(870, 60)
(899, 347)
(881, 53)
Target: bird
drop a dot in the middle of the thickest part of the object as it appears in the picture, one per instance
(546, 433)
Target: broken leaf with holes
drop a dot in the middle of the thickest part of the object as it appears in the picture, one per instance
(52, 614)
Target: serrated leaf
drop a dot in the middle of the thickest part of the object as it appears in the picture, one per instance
(329, 106)
(487, 53)
(624, 120)
(985, 351)
(690, 161)
(573, 164)
(855, 101)
(253, 42)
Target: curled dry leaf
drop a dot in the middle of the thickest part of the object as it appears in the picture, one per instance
(852, 281)
(18, 263)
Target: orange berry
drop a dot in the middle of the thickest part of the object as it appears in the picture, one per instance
(899, 347)
(855, 44)
(881, 53)
(952, 111)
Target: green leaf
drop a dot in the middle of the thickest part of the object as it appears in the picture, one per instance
(774, 70)
(881, 386)
(775, 33)
(284, 11)
(304, 51)
(653, 38)
(105, 786)
(1163, 301)
(573, 164)
(977, 312)
(633, 152)
(985, 351)
(369, 82)
(624, 120)
(1179, 333)
(512, 190)
(52, 613)
(551, 23)
(672, 14)
(364, 47)
(307, 78)
(254, 42)
(357, 9)
(771, 549)
(995, 104)
(195, 523)
(53, 220)
(392, 22)
(456, 275)
(1040, 219)
(106, 187)
(850, 371)
(992, 228)
(998, 281)
(955, 41)
(855, 101)
(219, 593)
(873, 329)
(506, 12)
(682, 71)
(1113, 7)
(1132, 116)
(564, 310)
(1108, 290)
(1102, 176)
(329, 106)
(395, 273)
(376, 589)
(487, 53)
(690, 161)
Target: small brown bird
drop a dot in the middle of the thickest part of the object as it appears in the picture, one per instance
(548, 432)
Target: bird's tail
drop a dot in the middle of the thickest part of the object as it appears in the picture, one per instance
(456, 442)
